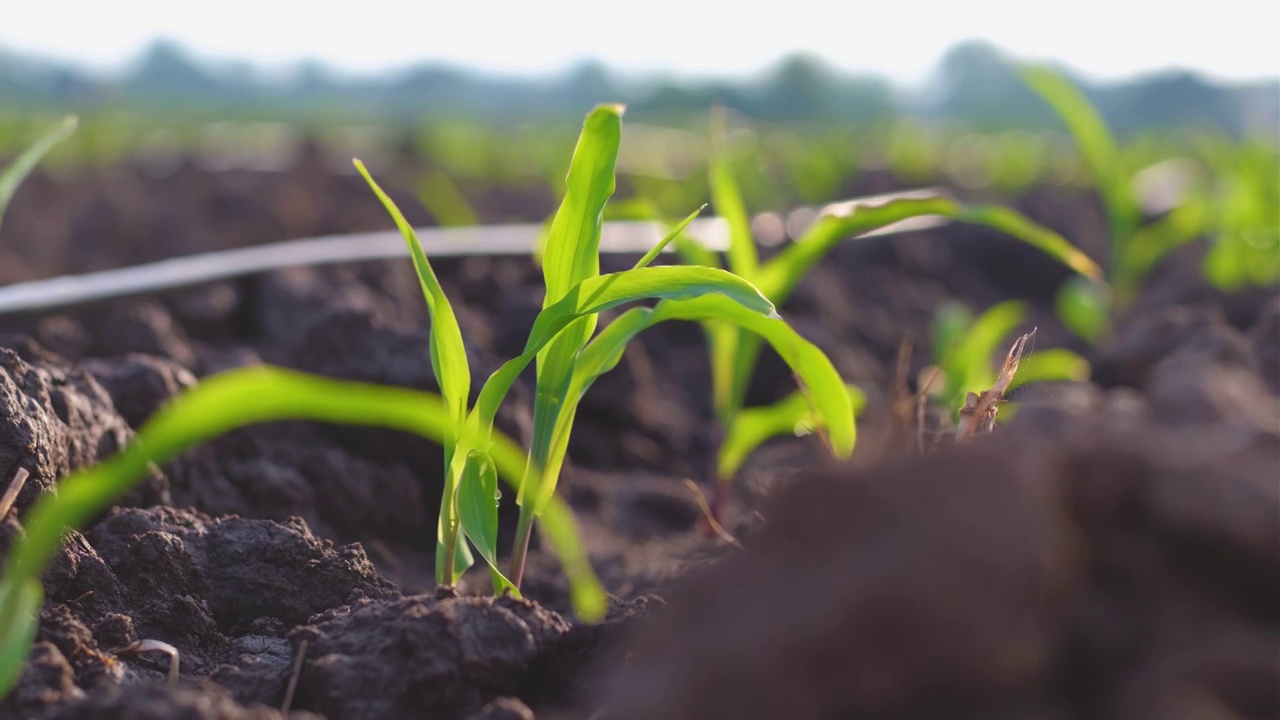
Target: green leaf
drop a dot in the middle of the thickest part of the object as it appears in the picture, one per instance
(727, 201)
(753, 426)
(672, 235)
(573, 257)
(20, 602)
(1052, 365)
(448, 353)
(1084, 307)
(22, 166)
(573, 244)
(667, 282)
(225, 402)
(589, 599)
(809, 363)
(1097, 146)
(446, 203)
(779, 277)
(950, 324)
(601, 293)
(453, 375)
(478, 510)
(1153, 242)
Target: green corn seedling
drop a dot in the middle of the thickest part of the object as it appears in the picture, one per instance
(1238, 216)
(569, 355)
(1245, 220)
(734, 353)
(966, 349)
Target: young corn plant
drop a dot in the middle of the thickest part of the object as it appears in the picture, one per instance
(734, 353)
(568, 354)
(1245, 220)
(1242, 216)
(965, 349)
(568, 360)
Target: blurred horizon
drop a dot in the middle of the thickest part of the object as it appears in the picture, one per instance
(973, 83)
(902, 42)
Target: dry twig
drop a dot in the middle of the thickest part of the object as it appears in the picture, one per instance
(11, 494)
(979, 411)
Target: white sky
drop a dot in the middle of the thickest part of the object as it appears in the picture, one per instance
(1232, 39)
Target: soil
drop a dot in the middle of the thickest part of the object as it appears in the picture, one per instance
(1110, 553)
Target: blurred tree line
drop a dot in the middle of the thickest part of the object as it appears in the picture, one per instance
(974, 85)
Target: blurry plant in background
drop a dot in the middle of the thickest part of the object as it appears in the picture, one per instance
(1233, 199)
(966, 348)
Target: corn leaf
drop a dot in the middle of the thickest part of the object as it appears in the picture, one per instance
(452, 373)
(604, 292)
(225, 402)
(1083, 306)
(478, 510)
(779, 277)
(589, 599)
(446, 203)
(1097, 146)
(753, 426)
(13, 175)
(573, 243)
(810, 364)
(1052, 365)
(950, 323)
(448, 353)
(668, 239)
(19, 620)
(727, 200)
(572, 257)
(970, 368)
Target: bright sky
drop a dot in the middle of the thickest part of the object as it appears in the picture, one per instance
(1232, 39)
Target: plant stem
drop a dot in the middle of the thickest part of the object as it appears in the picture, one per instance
(450, 526)
(720, 486)
(524, 529)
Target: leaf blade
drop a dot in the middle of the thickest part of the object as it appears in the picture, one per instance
(779, 277)
(13, 175)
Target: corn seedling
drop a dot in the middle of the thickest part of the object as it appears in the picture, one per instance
(16, 171)
(568, 355)
(964, 348)
(1242, 217)
(1245, 220)
(734, 353)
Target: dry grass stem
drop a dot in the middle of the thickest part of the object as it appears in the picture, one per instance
(979, 411)
(710, 517)
(11, 493)
(294, 674)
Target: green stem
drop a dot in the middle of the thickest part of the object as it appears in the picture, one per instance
(449, 527)
(524, 529)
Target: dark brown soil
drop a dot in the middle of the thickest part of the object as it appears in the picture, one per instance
(1111, 553)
